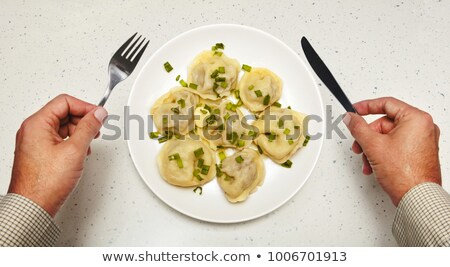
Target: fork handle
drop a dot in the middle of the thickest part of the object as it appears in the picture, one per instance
(105, 97)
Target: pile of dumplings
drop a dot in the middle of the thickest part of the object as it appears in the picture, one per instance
(200, 121)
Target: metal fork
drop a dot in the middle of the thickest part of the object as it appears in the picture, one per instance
(123, 63)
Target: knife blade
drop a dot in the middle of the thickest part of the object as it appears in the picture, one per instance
(325, 75)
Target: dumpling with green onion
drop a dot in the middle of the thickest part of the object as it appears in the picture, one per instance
(186, 163)
(281, 132)
(174, 111)
(259, 89)
(212, 75)
(227, 127)
(205, 114)
(241, 174)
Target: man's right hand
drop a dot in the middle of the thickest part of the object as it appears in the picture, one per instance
(401, 148)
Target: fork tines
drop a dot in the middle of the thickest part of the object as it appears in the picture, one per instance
(129, 51)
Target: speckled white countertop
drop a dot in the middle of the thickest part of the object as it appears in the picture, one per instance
(374, 48)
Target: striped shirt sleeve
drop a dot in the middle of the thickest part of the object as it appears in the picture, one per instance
(25, 224)
(423, 217)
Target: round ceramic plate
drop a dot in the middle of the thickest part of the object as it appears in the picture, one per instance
(249, 46)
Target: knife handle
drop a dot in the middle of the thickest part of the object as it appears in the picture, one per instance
(343, 99)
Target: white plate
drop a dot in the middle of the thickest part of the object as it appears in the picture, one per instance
(249, 46)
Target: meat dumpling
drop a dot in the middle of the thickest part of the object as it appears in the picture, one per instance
(214, 74)
(227, 128)
(281, 135)
(186, 162)
(241, 174)
(174, 111)
(259, 89)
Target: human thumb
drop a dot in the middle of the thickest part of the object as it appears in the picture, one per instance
(88, 127)
(359, 128)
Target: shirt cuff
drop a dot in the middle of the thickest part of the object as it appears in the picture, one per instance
(24, 223)
(423, 217)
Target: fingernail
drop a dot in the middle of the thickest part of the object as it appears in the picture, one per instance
(100, 114)
(347, 118)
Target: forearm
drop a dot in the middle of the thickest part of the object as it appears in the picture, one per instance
(24, 223)
(423, 217)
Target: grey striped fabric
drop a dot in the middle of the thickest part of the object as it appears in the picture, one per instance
(25, 224)
(423, 217)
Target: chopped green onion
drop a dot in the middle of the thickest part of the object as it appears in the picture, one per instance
(177, 157)
(237, 94)
(163, 139)
(266, 100)
(181, 102)
(175, 110)
(306, 140)
(221, 70)
(259, 149)
(180, 163)
(203, 111)
(233, 108)
(183, 83)
(168, 67)
(251, 87)
(216, 111)
(290, 141)
(221, 128)
(271, 137)
(214, 48)
(199, 152)
(169, 134)
(200, 163)
(235, 137)
(240, 143)
(246, 68)
(219, 54)
(286, 131)
(211, 119)
(214, 74)
(220, 79)
(287, 164)
(193, 86)
(258, 93)
(198, 188)
(208, 108)
(197, 175)
(229, 106)
(215, 91)
(219, 170)
(154, 135)
(239, 159)
(227, 116)
(232, 137)
(220, 46)
(165, 120)
(224, 84)
(289, 107)
(239, 103)
(222, 155)
(229, 178)
(205, 169)
(177, 78)
(251, 133)
(280, 123)
(277, 104)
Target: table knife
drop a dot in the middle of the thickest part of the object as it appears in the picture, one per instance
(325, 75)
